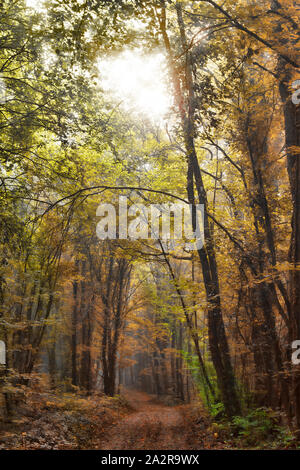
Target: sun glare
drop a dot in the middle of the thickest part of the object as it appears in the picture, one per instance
(37, 5)
(138, 81)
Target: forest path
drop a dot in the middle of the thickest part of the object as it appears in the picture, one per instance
(151, 425)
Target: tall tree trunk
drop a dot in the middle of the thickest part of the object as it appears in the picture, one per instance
(292, 140)
(185, 101)
(74, 375)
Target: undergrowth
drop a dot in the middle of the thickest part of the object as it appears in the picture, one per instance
(260, 428)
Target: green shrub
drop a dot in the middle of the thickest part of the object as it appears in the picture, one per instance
(259, 425)
(217, 410)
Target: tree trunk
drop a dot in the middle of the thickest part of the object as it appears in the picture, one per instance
(217, 337)
(292, 140)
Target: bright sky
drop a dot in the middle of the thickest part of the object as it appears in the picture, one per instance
(35, 4)
(138, 81)
(134, 79)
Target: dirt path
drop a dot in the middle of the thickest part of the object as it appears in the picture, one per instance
(151, 426)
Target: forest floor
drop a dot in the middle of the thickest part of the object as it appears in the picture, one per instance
(153, 425)
(65, 421)
(132, 421)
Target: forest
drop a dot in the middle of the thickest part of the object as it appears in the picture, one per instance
(149, 224)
